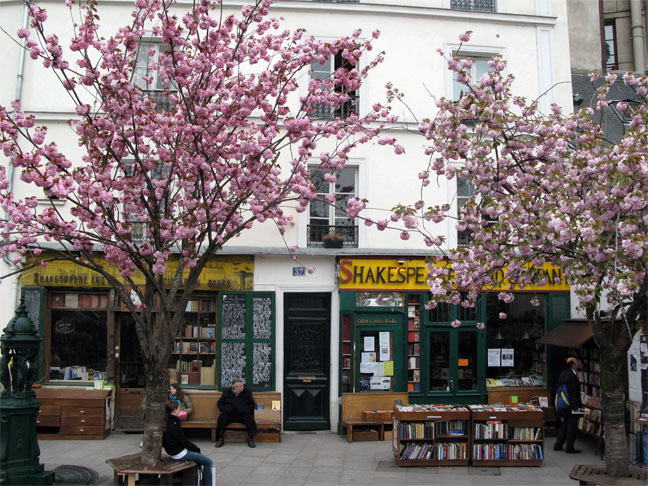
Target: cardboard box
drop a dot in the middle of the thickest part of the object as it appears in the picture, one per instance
(267, 416)
(377, 416)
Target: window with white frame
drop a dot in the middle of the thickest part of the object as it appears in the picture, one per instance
(138, 222)
(325, 71)
(465, 191)
(477, 70)
(329, 220)
(146, 74)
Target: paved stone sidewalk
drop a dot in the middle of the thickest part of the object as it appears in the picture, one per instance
(320, 458)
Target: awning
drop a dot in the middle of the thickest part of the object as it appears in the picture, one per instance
(571, 333)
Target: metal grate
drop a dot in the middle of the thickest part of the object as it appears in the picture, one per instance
(317, 231)
(473, 5)
(326, 111)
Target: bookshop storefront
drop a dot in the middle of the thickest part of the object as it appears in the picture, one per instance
(89, 335)
(390, 342)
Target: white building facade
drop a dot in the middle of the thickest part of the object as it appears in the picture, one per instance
(326, 327)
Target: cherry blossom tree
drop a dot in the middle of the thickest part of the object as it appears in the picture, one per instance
(547, 188)
(209, 135)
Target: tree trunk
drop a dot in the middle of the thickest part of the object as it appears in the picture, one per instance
(613, 345)
(157, 389)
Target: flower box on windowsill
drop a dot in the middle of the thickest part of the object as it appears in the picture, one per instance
(333, 243)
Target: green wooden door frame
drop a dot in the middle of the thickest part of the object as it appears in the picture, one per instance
(372, 322)
(454, 395)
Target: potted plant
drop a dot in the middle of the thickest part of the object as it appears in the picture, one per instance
(333, 240)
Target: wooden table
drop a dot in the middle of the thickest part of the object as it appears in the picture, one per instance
(131, 465)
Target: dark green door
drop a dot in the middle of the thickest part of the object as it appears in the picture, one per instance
(454, 365)
(307, 324)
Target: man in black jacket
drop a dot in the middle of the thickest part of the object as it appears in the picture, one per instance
(180, 448)
(236, 405)
(568, 428)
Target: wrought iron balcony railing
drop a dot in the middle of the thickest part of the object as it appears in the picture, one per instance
(317, 233)
(473, 5)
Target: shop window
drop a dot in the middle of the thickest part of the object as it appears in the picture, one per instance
(467, 361)
(78, 348)
(246, 339)
(379, 299)
(376, 360)
(328, 219)
(193, 360)
(326, 72)
(513, 355)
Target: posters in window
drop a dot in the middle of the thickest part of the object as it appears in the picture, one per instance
(494, 357)
(507, 357)
(369, 343)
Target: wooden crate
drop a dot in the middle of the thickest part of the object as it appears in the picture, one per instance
(365, 434)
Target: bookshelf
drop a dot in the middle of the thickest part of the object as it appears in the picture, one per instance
(345, 378)
(589, 379)
(507, 435)
(193, 360)
(431, 435)
(414, 344)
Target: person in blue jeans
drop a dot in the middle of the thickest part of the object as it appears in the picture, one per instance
(180, 448)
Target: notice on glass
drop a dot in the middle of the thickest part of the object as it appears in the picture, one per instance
(507, 357)
(494, 357)
(388, 368)
(375, 383)
(379, 369)
(366, 367)
(369, 344)
(368, 357)
(383, 339)
(385, 355)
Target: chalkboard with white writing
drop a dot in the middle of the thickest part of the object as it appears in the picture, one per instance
(233, 316)
(32, 300)
(262, 368)
(232, 363)
(262, 316)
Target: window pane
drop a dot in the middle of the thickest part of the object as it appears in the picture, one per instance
(345, 181)
(341, 204)
(467, 361)
(317, 176)
(321, 71)
(78, 344)
(319, 208)
(481, 68)
(439, 361)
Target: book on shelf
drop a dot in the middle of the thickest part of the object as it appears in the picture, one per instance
(188, 331)
(413, 336)
(208, 375)
(203, 348)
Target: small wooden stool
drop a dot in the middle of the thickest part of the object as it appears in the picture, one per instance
(128, 467)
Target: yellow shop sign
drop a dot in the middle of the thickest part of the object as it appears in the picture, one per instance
(411, 274)
(220, 273)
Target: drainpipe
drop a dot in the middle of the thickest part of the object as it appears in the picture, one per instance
(638, 36)
(15, 280)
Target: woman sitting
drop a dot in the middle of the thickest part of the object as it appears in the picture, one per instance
(180, 448)
(177, 395)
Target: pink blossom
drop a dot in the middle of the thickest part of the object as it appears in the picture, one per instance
(502, 315)
(455, 323)
(480, 325)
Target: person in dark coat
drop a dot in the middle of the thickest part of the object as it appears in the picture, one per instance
(180, 448)
(236, 405)
(569, 425)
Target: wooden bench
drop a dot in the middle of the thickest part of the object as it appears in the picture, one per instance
(595, 475)
(129, 468)
(205, 416)
(353, 404)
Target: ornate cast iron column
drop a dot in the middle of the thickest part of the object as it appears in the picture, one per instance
(19, 451)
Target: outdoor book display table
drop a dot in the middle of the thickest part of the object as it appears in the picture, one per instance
(454, 435)
(431, 435)
(507, 435)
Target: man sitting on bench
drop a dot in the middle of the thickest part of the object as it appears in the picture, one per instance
(236, 405)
